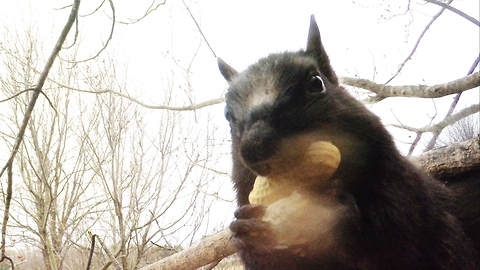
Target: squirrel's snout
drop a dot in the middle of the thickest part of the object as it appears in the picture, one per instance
(258, 144)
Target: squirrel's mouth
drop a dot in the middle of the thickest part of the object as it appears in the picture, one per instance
(263, 168)
(300, 156)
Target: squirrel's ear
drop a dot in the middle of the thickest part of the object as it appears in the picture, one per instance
(315, 49)
(314, 42)
(227, 71)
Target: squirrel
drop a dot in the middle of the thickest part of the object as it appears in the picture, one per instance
(377, 211)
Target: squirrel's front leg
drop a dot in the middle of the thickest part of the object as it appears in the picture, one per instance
(249, 232)
(256, 241)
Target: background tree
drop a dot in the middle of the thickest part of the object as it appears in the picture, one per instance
(92, 163)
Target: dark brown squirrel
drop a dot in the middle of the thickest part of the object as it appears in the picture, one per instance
(396, 216)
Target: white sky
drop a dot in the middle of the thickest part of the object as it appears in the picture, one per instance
(357, 38)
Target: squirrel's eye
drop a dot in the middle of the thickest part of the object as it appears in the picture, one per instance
(228, 115)
(316, 84)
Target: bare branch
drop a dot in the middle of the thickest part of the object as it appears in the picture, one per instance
(112, 28)
(434, 18)
(475, 108)
(191, 107)
(420, 91)
(17, 94)
(436, 134)
(95, 10)
(109, 254)
(456, 11)
(210, 249)
(27, 90)
(199, 29)
(149, 10)
(92, 249)
(6, 213)
(414, 144)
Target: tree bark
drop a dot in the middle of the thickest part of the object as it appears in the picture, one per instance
(421, 91)
(453, 162)
(210, 249)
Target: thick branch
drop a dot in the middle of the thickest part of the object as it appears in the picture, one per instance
(420, 91)
(452, 161)
(210, 249)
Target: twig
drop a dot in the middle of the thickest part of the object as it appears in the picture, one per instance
(149, 10)
(95, 10)
(31, 89)
(199, 29)
(400, 67)
(414, 144)
(112, 28)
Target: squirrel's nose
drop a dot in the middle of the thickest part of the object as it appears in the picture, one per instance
(258, 143)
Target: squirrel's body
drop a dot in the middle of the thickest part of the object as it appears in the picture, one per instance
(393, 216)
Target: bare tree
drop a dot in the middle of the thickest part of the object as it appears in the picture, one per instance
(53, 173)
(155, 187)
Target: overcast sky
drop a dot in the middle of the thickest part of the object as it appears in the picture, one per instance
(365, 38)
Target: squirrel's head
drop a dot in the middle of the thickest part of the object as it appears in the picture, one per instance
(286, 98)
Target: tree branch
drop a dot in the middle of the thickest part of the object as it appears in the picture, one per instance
(210, 249)
(446, 163)
(420, 91)
(149, 10)
(199, 29)
(445, 122)
(114, 261)
(191, 107)
(456, 11)
(419, 39)
(433, 140)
